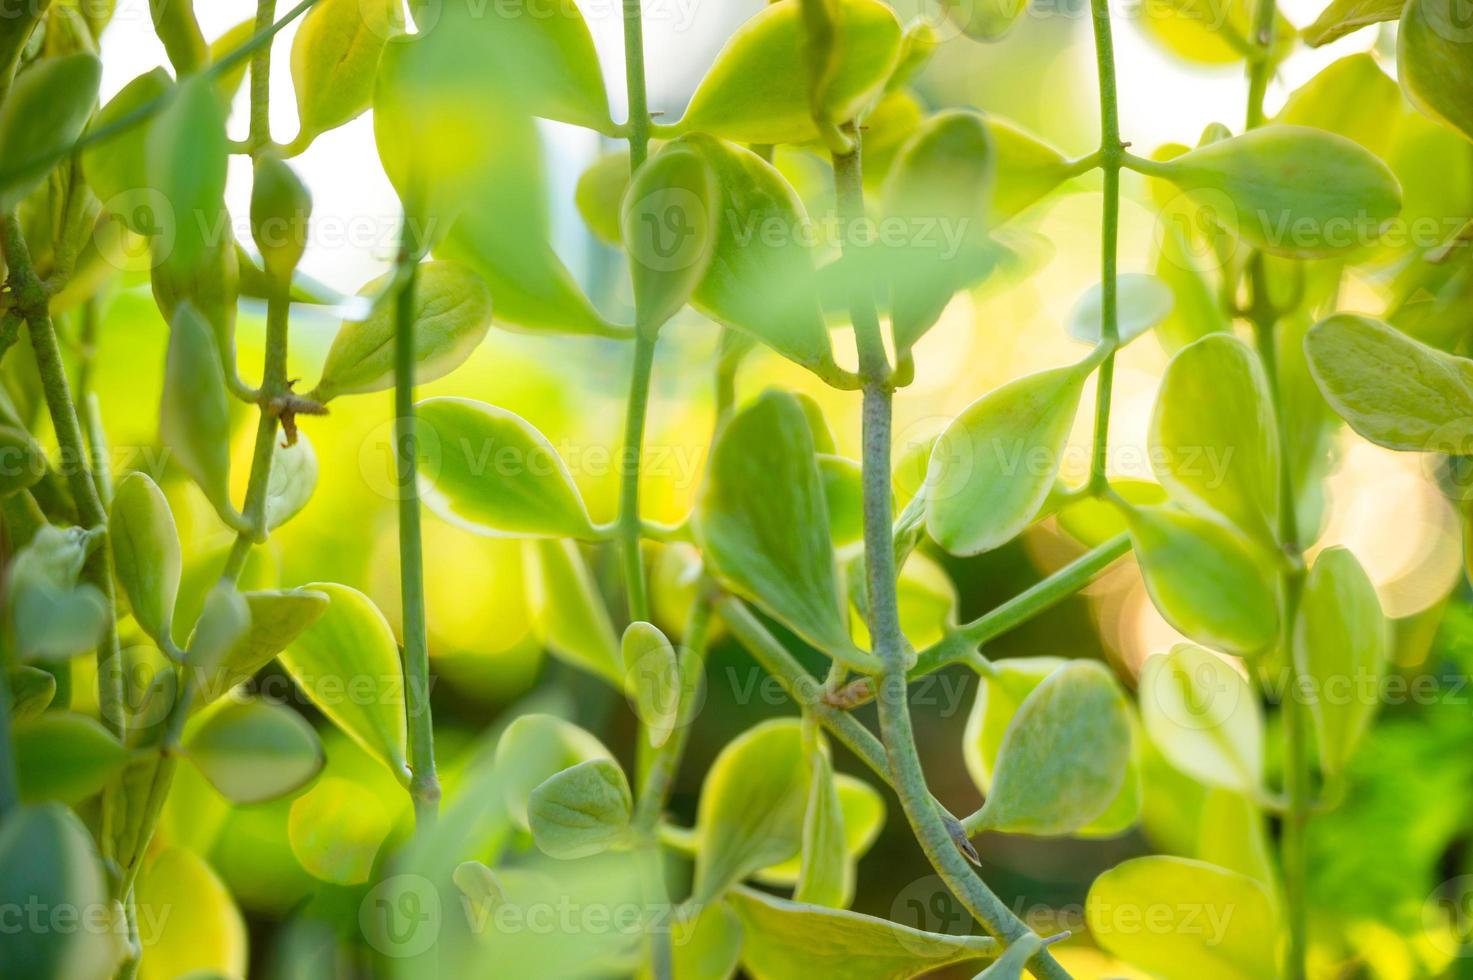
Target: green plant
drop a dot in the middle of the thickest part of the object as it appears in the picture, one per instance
(796, 552)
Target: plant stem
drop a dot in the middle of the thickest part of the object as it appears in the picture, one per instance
(644, 341)
(32, 303)
(959, 644)
(424, 786)
(1110, 157)
(1264, 317)
(1294, 842)
(260, 134)
(629, 522)
(660, 776)
(897, 736)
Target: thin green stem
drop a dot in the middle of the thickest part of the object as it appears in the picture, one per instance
(260, 134)
(937, 839)
(660, 777)
(1110, 156)
(634, 84)
(960, 644)
(424, 785)
(32, 304)
(630, 527)
(1297, 782)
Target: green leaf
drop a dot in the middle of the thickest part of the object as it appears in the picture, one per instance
(117, 167)
(63, 756)
(22, 461)
(54, 616)
(998, 699)
(654, 677)
(543, 58)
(1027, 169)
(199, 930)
(1232, 836)
(581, 811)
(757, 91)
(452, 314)
(533, 748)
(762, 522)
(31, 692)
(45, 111)
(1203, 717)
(752, 806)
(281, 207)
(843, 493)
(1289, 190)
(600, 195)
(1213, 439)
(51, 863)
(252, 751)
(937, 194)
(1433, 64)
(223, 622)
(786, 939)
(1210, 923)
(1141, 302)
(863, 812)
(347, 664)
(291, 481)
(669, 223)
(1353, 97)
(986, 21)
(1205, 578)
(761, 278)
(1344, 17)
(336, 829)
(827, 873)
(1220, 34)
(478, 883)
(1393, 390)
(277, 618)
(335, 58)
(177, 27)
(146, 553)
(488, 470)
(992, 469)
(1341, 645)
(567, 611)
(1064, 758)
(187, 152)
(1184, 266)
(1013, 962)
(194, 420)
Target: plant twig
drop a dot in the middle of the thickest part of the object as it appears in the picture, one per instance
(931, 830)
(1110, 157)
(424, 785)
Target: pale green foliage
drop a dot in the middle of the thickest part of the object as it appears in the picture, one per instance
(535, 747)
(654, 677)
(452, 313)
(44, 112)
(146, 553)
(351, 643)
(1432, 54)
(252, 751)
(581, 810)
(1202, 715)
(992, 469)
(1214, 923)
(491, 471)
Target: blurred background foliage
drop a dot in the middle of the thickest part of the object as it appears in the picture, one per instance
(1377, 861)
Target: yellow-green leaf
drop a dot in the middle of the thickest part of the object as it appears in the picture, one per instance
(1340, 645)
(669, 223)
(254, 751)
(1210, 923)
(194, 420)
(489, 470)
(1205, 578)
(452, 314)
(567, 611)
(994, 466)
(336, 829)
(335, 58)
(196, 928)
(654, 679)
(1433, 63)
(1204, 717)
(757, 89)
(146, 553)
(581, 811)
(534, 747)
(45, 110)
(347, 664)
(63, 756)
